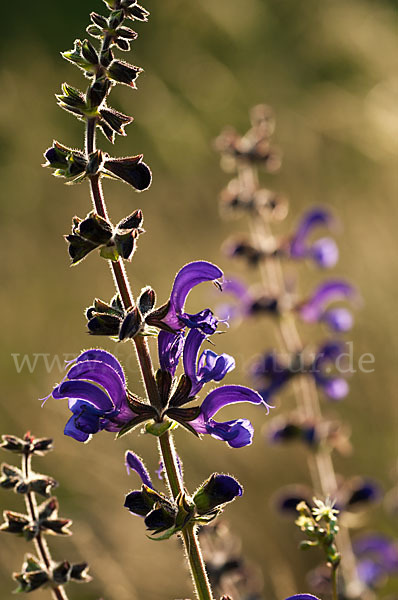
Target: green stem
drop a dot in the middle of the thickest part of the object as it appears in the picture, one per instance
(166, 444)
(169, 460)
(192, 547)
(334, 583)
(196, 563)
(57, 591)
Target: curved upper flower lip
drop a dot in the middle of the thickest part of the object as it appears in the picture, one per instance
(300, 247)
(189, 276)
(236, 433)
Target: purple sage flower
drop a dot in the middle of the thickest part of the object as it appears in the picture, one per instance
(250, 301)
(237, 433)
(316, 308)
(97, 395)
(187, 278)
(377, 558)
(323, 251)
(334, 386)
(273, 373)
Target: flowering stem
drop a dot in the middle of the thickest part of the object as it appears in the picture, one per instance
(320, 464)
(166, 445)
(169, 460)
(334, 583)
(191, 542)
(57, 591)
(196, 563)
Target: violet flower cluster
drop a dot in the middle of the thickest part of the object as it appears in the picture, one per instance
(95, 386)
(313, 367)
(98, 396)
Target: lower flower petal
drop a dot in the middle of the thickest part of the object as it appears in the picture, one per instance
(237, 434)
(72, 431)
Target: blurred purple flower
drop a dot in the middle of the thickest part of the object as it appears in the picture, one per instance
(323, 251)
(334, 386)
(352, 495)
(97, 395)
(209, 367)
(237, 433)
(274, 374)
(377, 558)
(187, 278)
(250, 301)
(315, 309)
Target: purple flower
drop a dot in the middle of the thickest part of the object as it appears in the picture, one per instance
(315, 309)
(237, 433)
(187, 278)
(209, 367)
(271, 371)
(274, 374)
(251, 301)
(97, 395)
(324, 250)
(377, 558)
(334, 386)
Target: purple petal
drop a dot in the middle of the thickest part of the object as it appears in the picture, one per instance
(193, 342)
(330, 291)
(188, 277)
(325, 252)
(72, 431)
(311, 219)
(338, 319)
(370, 573)
(105, 357)
(228, 394)
(90, 393)
(170, 347)
(135, 463)
(102, 374)
(237, 434)
(214, 367)
(238, 289)
(336, 388)
(203, 320)
(380, 547)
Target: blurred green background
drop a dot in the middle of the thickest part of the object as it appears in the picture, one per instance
(329, 69)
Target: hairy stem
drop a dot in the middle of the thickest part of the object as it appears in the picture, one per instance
(57, 591)
(166, 444)
(334, 584)
(320, 463)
